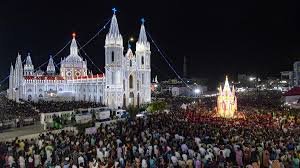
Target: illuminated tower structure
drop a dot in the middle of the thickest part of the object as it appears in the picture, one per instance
(227, 102)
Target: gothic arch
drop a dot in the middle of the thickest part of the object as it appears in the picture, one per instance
(138, 100)
(143, 61)
(124, 85)
(124, 100)
(131, 98)
(130, 81)
(112, 56)
(29, 97)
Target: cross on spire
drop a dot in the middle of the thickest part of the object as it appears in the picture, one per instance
(114, 10)
(143, 20)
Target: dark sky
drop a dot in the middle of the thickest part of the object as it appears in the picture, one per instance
(218, 37)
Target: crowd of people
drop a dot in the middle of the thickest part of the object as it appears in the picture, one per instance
(13, 114)
(56, 106)
(178, 138)
(10, 110)
(162, 140)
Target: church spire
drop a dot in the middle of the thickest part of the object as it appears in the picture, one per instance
(142, 36)
(28, 67)
(28, 60)
(113, 36)
(73, 47)
(142, 43)
(114, 28)
(50, 67)
(11, 70)
(226, 86)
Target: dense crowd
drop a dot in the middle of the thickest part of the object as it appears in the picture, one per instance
(10, 110)
(54, 106)
(162, 140)
(179, 138)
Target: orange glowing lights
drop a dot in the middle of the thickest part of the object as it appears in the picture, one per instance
(227, 102)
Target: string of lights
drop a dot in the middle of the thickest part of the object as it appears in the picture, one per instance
(164, 57)
(97, 34)
(81, 48)
(89, 58)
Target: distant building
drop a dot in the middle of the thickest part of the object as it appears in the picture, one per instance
(287, 76)
(296, 73)
(291, 97)
(179, 88)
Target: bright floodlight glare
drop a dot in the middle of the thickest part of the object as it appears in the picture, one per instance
(197, 91)
(155, 85)
(251, 78)
(131, 39)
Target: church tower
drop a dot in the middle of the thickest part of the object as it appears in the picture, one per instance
(28, 67)
(50, 67)
(113, 65)
(73, 65)
(18, 79)
(10, 90)
(143, 66)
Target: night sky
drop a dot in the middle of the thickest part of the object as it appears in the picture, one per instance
(218, 37)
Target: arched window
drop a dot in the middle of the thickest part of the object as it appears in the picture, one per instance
(29, 90)
(130, 82)
(40, 90)
(137, 85)
(143, 78)
(130, 63)
(112, 56)
(112, 78)
(124, 85)
(40, 95)
(142, 60)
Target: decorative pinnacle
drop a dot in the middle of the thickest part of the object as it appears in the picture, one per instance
(143, 20)
(114, 10)
(73, 34)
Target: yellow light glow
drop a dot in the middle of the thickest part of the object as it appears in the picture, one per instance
(227, 102)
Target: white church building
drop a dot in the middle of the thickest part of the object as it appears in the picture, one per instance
(127, 78)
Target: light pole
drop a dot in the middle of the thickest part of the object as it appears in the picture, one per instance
(196, 91)
(131, 39)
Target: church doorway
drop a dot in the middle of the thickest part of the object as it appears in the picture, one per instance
(29, 97)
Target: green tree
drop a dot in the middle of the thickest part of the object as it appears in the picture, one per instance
(157, 106)
(132, 110)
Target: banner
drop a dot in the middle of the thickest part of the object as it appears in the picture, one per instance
(91, 130)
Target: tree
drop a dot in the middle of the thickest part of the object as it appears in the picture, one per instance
(132, 110)
(157, 106)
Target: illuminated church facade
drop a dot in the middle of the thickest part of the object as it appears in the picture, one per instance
(127, 78)
(226, 102)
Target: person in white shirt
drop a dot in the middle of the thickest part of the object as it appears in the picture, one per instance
(80, 160)
(37, 160)
(22, 162)
(144, 163)
(174, 160)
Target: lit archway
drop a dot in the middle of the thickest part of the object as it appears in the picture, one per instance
(131, 98)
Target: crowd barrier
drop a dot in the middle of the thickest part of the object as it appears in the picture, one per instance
(36, 135)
